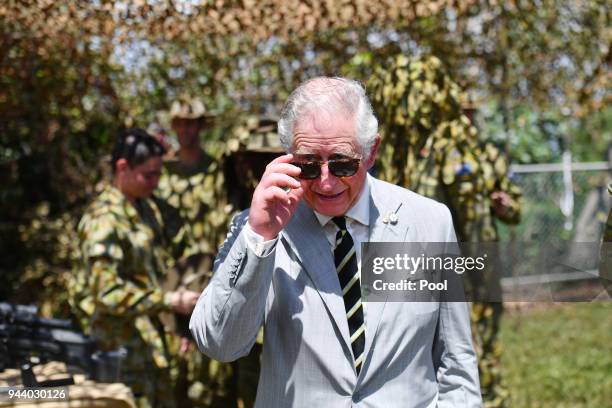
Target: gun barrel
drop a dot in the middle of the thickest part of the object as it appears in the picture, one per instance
(55, 323)
(28, 315)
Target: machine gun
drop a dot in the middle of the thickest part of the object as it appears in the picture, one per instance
(27, 339)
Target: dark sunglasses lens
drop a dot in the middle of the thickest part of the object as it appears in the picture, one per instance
(344, 168)
(310, 170)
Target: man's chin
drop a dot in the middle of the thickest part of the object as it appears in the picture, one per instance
(189, 142)
(145, 194)
(331, 209)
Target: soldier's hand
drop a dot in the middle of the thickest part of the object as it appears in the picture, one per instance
(186, 344)
(183, 301)
(276, 197)
(501, 203)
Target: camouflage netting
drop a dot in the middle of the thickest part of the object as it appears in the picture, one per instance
(73, 72)
(282, 18)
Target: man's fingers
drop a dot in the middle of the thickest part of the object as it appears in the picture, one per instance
(273, 203)
(286, 158)
(296, 194)
(275, 193)
(285, 168)
(280, 180)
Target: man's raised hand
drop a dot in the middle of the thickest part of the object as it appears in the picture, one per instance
(273, 204)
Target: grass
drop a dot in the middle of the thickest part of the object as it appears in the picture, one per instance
(559, 356)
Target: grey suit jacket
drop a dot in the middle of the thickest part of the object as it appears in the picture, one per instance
(417, 354)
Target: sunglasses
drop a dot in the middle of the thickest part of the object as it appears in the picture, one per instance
(339, 167)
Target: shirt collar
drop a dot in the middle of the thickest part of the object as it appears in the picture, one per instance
(360, 211)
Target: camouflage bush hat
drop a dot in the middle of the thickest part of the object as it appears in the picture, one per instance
(254, 134)
(188, 108)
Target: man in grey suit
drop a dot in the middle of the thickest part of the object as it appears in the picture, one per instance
(292, 263)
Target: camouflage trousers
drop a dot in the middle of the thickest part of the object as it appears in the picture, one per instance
(204, 383)
(248, 369)
(201, 382)
(485, 319)
(152, 386)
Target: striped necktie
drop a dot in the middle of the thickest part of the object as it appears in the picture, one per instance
(346, 265)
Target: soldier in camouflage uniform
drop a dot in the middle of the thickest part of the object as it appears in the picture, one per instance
(126, 240)
(430, 147)
(193, 183)
(501, 201)
(188, 183)
(208, 196)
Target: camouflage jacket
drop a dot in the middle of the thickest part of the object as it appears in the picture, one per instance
(430, 147)
(198, 193)
(124, 251)
(493, 176)
(451, 167)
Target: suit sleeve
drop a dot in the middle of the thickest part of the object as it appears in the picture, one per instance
(230, 311)
(453, 353)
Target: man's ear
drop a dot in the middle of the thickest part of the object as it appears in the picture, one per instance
(373, 152)
(121, 165)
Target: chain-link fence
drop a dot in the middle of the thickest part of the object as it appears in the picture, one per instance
(561, 205)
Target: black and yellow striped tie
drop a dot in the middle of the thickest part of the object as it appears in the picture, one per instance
(348, 274)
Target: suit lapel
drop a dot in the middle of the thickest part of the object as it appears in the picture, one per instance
(308, 246)
(381, 205)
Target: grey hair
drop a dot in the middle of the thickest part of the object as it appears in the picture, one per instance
(330, 94)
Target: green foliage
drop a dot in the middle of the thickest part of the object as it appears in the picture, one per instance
(559, 356)
(541, 137)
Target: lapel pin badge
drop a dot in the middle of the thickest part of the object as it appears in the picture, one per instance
(390, 218)
(393, 219)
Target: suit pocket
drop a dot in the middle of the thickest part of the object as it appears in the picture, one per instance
(423, 308)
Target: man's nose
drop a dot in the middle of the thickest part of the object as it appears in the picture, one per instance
(327, 180)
